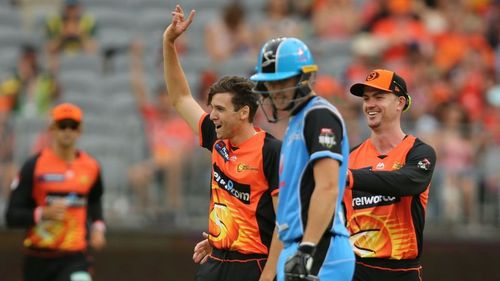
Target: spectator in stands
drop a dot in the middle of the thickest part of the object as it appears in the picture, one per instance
(229, 35)
(337, 19)
(7, 166)
(464, 29)
(456, 153)
(401, 31)
(168, 137)
(303, 8)
(277, 21)
(490, 184)
(72, 30)
(29, 91)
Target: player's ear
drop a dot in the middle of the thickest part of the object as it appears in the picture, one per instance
(244, 112)
(401, 103)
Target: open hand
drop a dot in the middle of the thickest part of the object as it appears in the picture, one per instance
(178, 25)
(97, 239)
(202, 250)
(56, 210)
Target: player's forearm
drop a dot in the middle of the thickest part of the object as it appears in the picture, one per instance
(175, 79)
(320, 213)
(411, 179)
(403, 182)
(275, 248)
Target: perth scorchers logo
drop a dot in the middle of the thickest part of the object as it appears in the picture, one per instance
(371, 239)
(378, 236)
(372, 76)
(222, 228)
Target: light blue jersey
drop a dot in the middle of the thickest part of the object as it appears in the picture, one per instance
(295, 187)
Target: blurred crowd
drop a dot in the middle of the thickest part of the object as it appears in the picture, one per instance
(447, 51)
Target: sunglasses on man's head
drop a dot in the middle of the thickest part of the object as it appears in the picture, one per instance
(65, 124)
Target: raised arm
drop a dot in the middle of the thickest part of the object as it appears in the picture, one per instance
(177, 84)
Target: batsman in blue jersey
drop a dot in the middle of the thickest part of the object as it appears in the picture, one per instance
(313, 166)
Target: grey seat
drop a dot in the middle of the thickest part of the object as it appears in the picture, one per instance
(8, 58)
(12, 36)
(94, 5)
(26, 130)
(80, 62)
(196, 33)
(335, 66)
(9, 16)
(332, 47)
(115, 83)
(114, 23)
(236, 65)
(80, 81)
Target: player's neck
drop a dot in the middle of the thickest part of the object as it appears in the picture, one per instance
(245, 133)
(386, 139)
(67, 154)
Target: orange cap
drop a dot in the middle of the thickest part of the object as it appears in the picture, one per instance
(67, 111)
(384, 80)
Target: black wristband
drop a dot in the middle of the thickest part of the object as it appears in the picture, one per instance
(307, 249)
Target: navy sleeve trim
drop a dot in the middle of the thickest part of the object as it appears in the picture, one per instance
(21, 206)
(271, 156)
(95, 199)
(208, 134)
(323, 131)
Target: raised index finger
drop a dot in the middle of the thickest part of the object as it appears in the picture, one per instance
(191, 16)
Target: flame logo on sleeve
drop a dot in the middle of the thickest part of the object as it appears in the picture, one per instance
(223, 229)
(376, 236)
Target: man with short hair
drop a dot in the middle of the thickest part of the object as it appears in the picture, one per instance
(388, 185)
(244, 181)
(55, 195)
(313, 165)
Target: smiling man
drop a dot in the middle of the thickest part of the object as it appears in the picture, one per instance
(388, 186)
(244, 183)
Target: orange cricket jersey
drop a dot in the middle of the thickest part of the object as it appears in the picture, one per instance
(55, 179)
(241, 215)
(382, 226)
